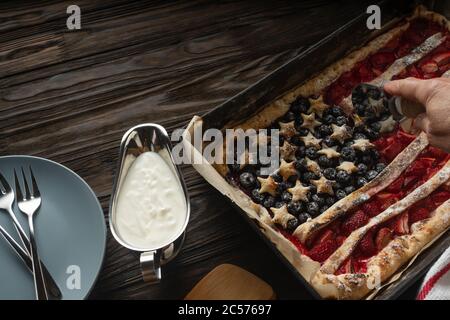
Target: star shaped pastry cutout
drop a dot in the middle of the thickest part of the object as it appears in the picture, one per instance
(387, 125)
(268, 185)
(329, 152)
(309, 121)
(362, 145)
(340, 133)
(312, 166)
(299, 192)
(281, 216)
(317, 106)
(347, 166)
(287, 151)
(287, 169)
(287, 129)
(310, 141)
(357, 120)
(323, 185)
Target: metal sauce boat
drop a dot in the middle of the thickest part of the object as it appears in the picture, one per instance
(137, 140)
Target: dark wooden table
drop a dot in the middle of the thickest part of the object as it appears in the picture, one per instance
(70, 95)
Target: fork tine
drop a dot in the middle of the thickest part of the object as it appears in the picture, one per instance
(19, 195)
(36, 192)
(25, 183)
(5, 183)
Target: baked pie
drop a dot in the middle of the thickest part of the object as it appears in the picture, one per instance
(357, 194)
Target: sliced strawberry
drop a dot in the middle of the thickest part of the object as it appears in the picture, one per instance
(440, 197)
(346, 267)
(419, 167)
(401, 224)
(412, 71)
(367, 245)
(429, 67)
(384, 236)
(340, 240)
(354, 221)
(386, 199)
(321, 251)
(396, 185)
(391, 151)
(371, 208)
(336, 93)
(442, 58)
(403, 50)
(417, 214)
(381, 60)
(365, 74)
(404, 138)
(349, 80)
(325, 236)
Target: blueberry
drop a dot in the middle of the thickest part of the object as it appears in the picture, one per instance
(324, 130)
(303, 217)
(309, 176)
(324, 162)
(342, 177)
(374, 93)
(286, 196)
(292, 224)
(311, 152)
(256, 196)
(300, 165)
(318, 199)
(300, 105)
(375, 154)
(235, 167)
(303, 131)
(359, 135)
(247, 180)
(300, 152)
(362, 168)
(349, 143)
(330, 200)
(367, 159)
(312, 208)
(340, 194)
(312, 189)
(329, 119)
(375, 126)
(295, 207)
(289, 116)
(371, 174)
(361, 181)
(330, 173)
(341, 120)
(298, 124)
(329, 142)
(269, 202)
(380, 166)
(349, 189)
(360, 109)
(277, 177)
(336, 111)
(323, 208)
(279, 204)
(372, 134)
(281, 187)
(348, 153)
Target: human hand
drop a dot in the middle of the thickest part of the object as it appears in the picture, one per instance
(434, 94)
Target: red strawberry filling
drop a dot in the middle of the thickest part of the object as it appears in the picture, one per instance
(433, 65)
(431, 160)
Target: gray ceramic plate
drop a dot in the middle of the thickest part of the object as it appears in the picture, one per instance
(70, 232)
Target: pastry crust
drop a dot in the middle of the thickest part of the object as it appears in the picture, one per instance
(396, 253)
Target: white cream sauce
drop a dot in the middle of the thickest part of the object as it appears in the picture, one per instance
(151, 207)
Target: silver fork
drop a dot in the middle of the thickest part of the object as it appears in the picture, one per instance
(6, 202)
(29, 204)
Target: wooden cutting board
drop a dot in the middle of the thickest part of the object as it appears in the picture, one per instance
(229, 282)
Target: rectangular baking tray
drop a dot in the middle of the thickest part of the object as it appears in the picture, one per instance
(330, 49)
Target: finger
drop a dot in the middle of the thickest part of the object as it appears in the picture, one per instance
(422, 122)
(412, 89)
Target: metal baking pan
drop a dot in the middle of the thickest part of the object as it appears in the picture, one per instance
(330, 49)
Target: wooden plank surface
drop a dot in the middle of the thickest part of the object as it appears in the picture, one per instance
(70, 95)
